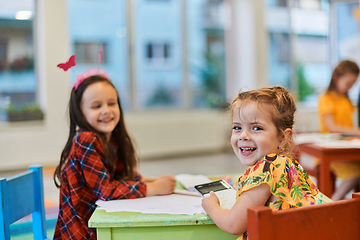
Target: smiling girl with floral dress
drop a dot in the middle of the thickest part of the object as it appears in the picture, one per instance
(262, 128)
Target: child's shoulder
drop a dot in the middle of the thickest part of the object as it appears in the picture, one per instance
(271, 162)
(273, 158)
(86, 136)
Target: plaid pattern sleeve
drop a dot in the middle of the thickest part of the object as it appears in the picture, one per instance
(87, 181)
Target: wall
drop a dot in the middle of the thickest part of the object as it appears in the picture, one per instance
(184, 132)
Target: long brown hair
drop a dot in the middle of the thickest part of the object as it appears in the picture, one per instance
(278, 102)
(125, 148)
(344, 67)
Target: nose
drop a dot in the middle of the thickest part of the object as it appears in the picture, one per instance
(105, 109)
(244, 135)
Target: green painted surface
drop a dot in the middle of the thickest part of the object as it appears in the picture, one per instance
(101, 218)
(132, 225)
(170, 232)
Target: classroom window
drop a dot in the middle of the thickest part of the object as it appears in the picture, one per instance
(299, 52)
(3, 55)
(18, 81)
(88, 52)
(158, 53)
(88, 33)
(206, 44)
(347, 37)
(308, 4)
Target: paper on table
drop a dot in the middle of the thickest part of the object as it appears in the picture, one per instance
(326, 140)
(171, 204)
(301, 138)
(189, 180)
(187, 192)
(340, 144)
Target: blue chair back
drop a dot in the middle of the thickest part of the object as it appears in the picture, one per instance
(21, 195)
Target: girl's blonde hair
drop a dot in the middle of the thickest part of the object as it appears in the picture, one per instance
(278, 102)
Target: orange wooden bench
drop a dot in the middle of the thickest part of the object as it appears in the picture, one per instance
(336, 220)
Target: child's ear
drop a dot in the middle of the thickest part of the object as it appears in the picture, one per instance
(286, 135)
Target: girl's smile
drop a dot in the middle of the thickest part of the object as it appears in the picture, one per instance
(254, 135)
(246, 151)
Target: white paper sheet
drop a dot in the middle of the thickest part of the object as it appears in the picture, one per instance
(190, 180)
(326, 140)
(170, 204)
(340, 144)
(301, 138)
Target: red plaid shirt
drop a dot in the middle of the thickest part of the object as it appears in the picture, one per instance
(88, 180)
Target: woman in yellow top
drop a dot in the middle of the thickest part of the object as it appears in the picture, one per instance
(335, 113)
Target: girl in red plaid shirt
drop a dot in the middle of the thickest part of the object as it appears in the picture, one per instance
(98, 161)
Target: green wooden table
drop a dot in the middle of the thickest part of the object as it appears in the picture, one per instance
(133, 225)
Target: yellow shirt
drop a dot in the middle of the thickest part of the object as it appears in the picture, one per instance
(339, 106)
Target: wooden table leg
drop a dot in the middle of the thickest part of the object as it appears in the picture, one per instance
(103, 233)
(325, 178)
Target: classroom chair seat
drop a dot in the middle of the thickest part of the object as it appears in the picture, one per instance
(21, 195)
(336, 220)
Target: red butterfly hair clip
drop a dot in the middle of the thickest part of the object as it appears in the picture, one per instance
(91, 72)
(67, 65)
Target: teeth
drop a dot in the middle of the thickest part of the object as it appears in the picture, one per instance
(247, 149)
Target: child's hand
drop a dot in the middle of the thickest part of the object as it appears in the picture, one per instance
(210, 201)
(147, 179)
(162, 185)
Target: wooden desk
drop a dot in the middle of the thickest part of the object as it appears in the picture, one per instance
(326, 156)
(131, 225)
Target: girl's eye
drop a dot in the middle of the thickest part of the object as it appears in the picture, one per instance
(236, 128)
(257, 128)
(111, 104)
(96, 106)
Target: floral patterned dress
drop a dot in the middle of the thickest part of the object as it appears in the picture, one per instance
(288, 181)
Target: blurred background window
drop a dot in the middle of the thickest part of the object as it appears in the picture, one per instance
(307, 39)
(170, 54)
(88, 52)
(18, 81)
(299, 45)
(347, 36)
(160, 54)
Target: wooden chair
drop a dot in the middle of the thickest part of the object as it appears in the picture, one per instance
(336, 220)
(21, 195)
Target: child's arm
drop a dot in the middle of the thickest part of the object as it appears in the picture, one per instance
(329, 121)
(147, 179)
(234, 221)
(162, 185)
